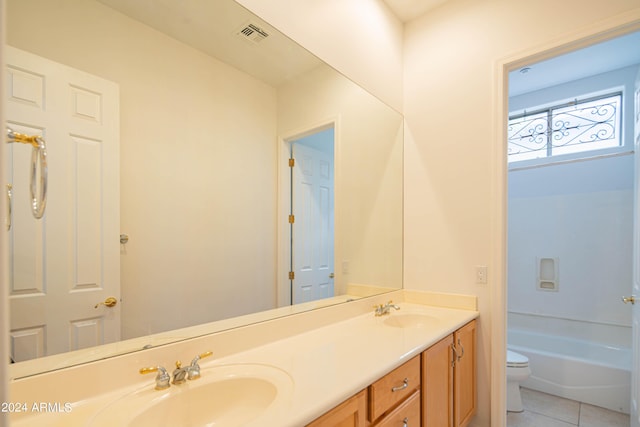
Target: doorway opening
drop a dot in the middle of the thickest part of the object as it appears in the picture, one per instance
(311, 216)
(570, 224)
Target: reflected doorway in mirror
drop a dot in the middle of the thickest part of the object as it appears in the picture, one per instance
(312, 216)
(65, 263)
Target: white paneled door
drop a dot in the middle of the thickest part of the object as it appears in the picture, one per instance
(66, 263)
(635, 307)
(312, 229)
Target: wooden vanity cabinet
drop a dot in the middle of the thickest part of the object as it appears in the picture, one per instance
(437, 384)
(465, 375)
(393, 388)
(389, 401)
(396, 396)
(405, 415)
(350, 413)
(449, 380)
(434, 389)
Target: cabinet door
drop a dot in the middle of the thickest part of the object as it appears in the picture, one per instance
(437, 380)
(465, 374)
(351, 413)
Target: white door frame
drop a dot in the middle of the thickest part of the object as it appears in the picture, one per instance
(594, 33)
(634, 410)
(4, 243)
(283, 284)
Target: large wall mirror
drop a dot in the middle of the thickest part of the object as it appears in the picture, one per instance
(204, 170)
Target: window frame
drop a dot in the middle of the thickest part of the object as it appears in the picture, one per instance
(548, 109)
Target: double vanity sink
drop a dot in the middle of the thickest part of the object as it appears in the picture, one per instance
(286, 382)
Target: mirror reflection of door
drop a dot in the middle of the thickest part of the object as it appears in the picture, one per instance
(64, 266)
(312, 220)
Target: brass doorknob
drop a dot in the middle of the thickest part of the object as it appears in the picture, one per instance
(331, 276)
(631, 299)
(109, 302)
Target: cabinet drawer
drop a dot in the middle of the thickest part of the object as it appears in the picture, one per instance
(394, 387)
(351, 413)
(406, 415)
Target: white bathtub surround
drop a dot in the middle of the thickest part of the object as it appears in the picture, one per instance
(585, 371)
(330, 354)
(613, 334)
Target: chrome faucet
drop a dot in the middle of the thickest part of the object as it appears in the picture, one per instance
(383, 309)
(180, 374)
(162, 379)
(193, 370)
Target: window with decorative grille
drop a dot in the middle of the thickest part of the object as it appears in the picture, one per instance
(577, 127)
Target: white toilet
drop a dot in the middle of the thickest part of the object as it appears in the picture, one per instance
(517, 371)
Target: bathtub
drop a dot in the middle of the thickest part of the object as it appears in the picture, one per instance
(581, 370)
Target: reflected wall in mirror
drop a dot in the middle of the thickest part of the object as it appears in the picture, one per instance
(196, 105)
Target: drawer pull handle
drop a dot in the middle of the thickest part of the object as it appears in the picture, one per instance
(454, 353)
(405, 422)
(462, 350)
(404, 385)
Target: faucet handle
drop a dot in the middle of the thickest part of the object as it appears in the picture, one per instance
(205, 354)
(162, 379)
(194, 369)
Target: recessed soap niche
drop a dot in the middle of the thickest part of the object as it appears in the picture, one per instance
(547, 274)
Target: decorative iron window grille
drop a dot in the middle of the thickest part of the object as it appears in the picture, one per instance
(576, 127)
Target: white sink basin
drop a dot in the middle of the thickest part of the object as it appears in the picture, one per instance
(231, 395)
(410, 320)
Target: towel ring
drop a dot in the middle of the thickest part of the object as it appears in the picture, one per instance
(38, 156)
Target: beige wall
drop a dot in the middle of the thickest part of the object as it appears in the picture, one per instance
(184, 186)
(451, 192)
(453, 185)
(452, 173)
(368, 228)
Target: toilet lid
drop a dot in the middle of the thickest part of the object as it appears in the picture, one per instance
(516, 359)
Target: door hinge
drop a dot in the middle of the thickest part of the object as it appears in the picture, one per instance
(292, 163)
(292, 219)
(292, 275)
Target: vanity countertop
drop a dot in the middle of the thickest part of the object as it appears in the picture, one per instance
(326, 365)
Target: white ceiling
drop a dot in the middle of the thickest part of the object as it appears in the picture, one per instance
(611, 55)
(602, 57)
(214, 31)
(213, 26)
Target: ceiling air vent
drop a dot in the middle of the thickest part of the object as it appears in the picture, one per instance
(252, 33)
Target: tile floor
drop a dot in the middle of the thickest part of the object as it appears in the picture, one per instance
(545, 410)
